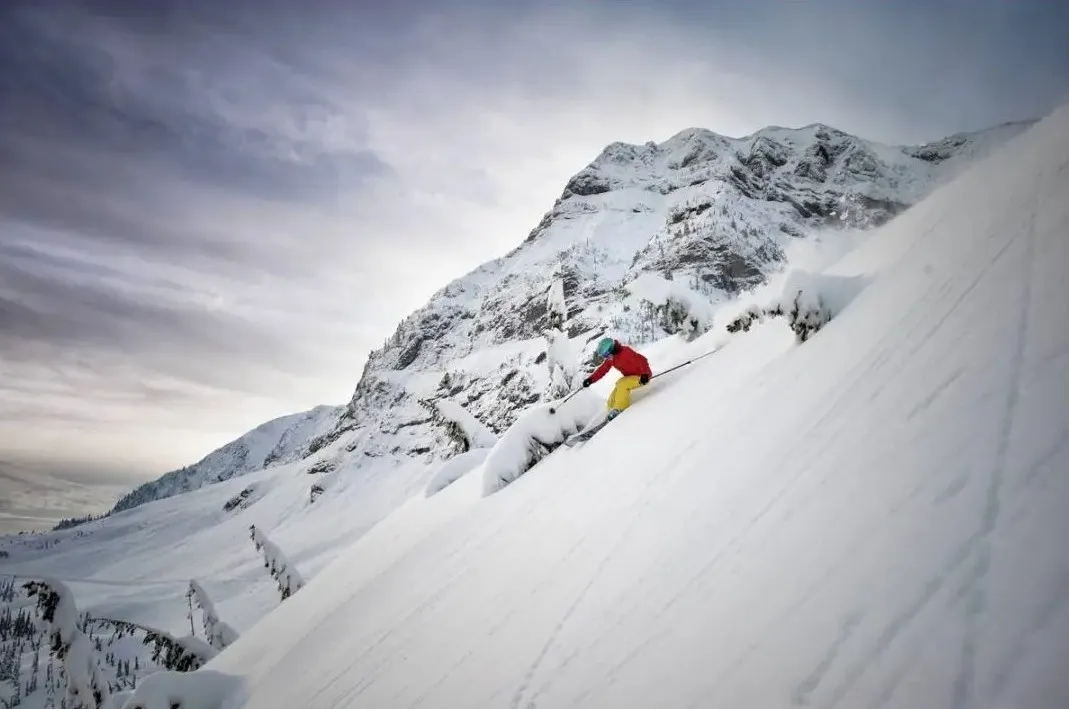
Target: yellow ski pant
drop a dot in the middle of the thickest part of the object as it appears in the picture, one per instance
(620, 398)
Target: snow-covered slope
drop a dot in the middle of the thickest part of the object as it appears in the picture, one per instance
(281, 440)
(872, 518)
(739, 490)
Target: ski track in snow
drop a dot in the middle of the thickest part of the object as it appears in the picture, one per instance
(977, 585)
(977, 546)
(594, 577)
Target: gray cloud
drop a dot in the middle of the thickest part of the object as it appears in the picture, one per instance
(148, 165)
(210, 211)
(84, 79)
(934, 67)
(37, 496)
(70, 302)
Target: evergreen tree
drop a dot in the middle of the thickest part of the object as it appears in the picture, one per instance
(34, 670)
(218, 633)
(289, 579)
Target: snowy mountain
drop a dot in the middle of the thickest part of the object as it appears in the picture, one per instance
(835, 522)
(280, 440)
(645, 241)
(712, 215)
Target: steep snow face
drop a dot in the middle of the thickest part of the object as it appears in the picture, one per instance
(280, 440)
(871, 518)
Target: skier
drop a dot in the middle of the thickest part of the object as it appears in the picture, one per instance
(632, 365)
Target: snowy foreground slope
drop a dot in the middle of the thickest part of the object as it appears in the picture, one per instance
(875, 517)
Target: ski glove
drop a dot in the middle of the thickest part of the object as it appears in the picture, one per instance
(586, 382)
(644, 379)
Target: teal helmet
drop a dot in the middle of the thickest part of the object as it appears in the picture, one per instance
(605, 346)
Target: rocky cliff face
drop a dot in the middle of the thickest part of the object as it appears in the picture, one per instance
(646, 241)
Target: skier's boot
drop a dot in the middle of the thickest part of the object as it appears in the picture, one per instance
(613, 413)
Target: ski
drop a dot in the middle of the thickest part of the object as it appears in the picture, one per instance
(587, 434)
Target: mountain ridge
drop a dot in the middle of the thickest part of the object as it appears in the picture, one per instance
(273, 442)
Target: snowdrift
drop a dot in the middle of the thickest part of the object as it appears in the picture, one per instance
(866, 519)
(455, 468)
(470, 429)
(672, 303)
(202, 689)
(536, 434)
(807, 302)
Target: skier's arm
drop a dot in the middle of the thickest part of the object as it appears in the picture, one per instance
(646, 365)
(600, 372)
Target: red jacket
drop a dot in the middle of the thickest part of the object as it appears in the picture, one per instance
(627, 361)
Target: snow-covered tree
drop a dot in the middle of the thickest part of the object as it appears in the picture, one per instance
(670, 306)
(556, 307)
(563, 364)
(807, 301)
(560, 358)
(534, 435)
(86, 686)
(464, 431)
(289, 579)
(219, 633)
(181, 654)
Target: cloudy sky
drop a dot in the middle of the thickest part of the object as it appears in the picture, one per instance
(211, 210)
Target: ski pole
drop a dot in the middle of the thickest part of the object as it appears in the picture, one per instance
(553, 409)
(684, 364)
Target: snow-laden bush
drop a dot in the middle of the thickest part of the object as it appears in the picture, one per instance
(808, 301)
(535, 435)
(203, 689)
(86, 686)
(181, 654)
(243, 499)
(454, 469)
(464, 432)
(289, 579)
(674, 307)
(474, 432)
(219, 633)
